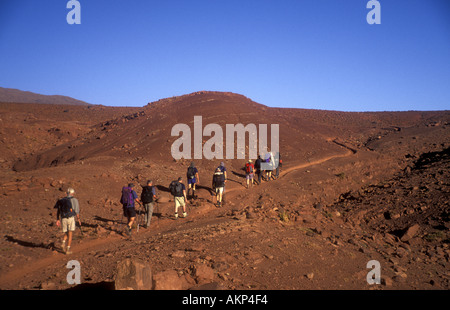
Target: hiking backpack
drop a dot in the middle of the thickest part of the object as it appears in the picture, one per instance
(191, 172)
(176, 189)
(258, 164)
(127, 197)
(219, 180)
(65, 207)
(147, 194)
(249, 168)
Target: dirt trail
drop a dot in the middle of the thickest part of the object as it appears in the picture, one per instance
(315, 162)
(51, 259)
(349, 151)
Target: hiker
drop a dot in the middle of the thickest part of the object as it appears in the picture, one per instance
(178, 190)
(224, 171)
(148, 196)
(128, 199)
(193, 179)
(258, 169)
(249, 171)
(67, 209)
(269, 163)
(218, 185)
(278, 163)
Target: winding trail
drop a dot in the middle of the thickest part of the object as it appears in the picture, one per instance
(349, 151)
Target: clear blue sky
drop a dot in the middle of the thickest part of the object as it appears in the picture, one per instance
(319, 54)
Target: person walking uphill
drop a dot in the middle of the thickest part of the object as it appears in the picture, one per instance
(67, 209)
(128, 199)
(178, 191)
(258, 169)
(224, 170)
(218, 185)
(249, 172)
(193, 179)
(278, 164)
(270, 164)
(148, 196)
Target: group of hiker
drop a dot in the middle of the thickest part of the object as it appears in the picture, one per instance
(68, 210)
(263, 169)
(129, 199)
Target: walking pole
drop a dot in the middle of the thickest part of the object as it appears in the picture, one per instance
(137, 220)
(79, 222)
(159, 212)
(138, 217)
(188, 207)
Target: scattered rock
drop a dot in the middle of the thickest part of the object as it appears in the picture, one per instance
(203, 274)
(410, 233)
(310, 275)
(100, 230)
(386, 281)
(401, 278)
(177, 254)
(47, 286)
(213, 286)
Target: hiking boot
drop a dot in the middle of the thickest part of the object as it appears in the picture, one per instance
(176, 216)
(68, 251)
(184, 214)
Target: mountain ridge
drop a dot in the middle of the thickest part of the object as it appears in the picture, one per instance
(12, 95)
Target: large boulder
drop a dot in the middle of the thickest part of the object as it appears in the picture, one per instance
(133, 274)
(168, 280)
(410, 233)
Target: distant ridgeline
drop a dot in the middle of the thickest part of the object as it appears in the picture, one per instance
(19, 96)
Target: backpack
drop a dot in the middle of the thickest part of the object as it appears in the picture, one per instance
(65, 207)
(219, 180)
(249, 168)
(258, 164)
(176, 189)
(127, 197)
(147, 194)
(191, 173)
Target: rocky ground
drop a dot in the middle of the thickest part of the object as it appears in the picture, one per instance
(380, 194)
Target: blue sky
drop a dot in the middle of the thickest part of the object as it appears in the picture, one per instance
(318, 54)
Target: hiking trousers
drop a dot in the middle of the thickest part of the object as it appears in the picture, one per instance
(258, 173)
(148, 213)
